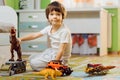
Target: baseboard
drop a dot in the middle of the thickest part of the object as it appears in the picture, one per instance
(114, 52)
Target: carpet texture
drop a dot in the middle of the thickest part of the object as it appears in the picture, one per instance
(78, 64)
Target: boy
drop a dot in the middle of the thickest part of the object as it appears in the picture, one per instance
(59, 38)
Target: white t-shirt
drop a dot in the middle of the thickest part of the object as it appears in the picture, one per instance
(62, 35)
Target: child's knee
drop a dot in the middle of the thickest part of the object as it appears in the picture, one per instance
(32, 62)
(37, 65)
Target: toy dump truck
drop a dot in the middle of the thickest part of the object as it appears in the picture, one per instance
(56, 64)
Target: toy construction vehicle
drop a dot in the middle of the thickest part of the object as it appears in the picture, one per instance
(97, 69)
(16, 67)
(56, 64)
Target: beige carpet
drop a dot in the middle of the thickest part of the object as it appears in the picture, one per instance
(78, 64)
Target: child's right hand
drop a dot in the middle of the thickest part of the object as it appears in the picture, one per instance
(19, 40)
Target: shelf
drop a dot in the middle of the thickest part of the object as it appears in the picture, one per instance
(84, 9)
(69, 10)
(32, 10)
(89, 8)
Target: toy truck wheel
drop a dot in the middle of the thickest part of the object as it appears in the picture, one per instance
(49, 67)
(60, 68)
(11, 72)
(68, 71)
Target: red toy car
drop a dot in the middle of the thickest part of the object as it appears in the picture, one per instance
(57, 64)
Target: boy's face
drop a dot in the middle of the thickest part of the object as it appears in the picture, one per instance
(55, 18)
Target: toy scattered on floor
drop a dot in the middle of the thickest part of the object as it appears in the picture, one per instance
(49, 72)
(57, 64)
(16, 67)
(14, 45)
(97, 69)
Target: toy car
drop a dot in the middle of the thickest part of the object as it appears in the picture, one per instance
(16, 67)
(97, 69)
(56, 64)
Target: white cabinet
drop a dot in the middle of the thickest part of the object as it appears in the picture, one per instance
(87, 21)
(83, 21)
(30, 22)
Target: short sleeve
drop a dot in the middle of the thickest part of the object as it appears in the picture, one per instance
(45, 30)
(65, 37)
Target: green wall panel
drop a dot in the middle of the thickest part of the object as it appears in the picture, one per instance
(16, 4)
(114, 11)
(44, 4)
(12, 3)
(9, 3)
(119, 29)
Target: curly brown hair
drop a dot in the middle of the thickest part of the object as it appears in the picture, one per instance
(56, 6)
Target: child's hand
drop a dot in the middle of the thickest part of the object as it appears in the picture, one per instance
(56, 61)
(19, 40)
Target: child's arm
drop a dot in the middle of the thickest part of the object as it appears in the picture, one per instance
(61, 51)
(31, 36)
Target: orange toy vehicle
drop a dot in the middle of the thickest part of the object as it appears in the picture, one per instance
(57, 64)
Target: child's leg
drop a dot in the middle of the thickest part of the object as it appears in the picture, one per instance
(32, 56)
(37, 64)
(41, 60)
